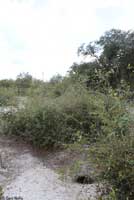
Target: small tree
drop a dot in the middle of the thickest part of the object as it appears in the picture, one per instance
(23, 82)
(113, 52)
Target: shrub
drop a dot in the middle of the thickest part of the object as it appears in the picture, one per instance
(7, 97)
(75, 115)
(115, 160)
(43, 126)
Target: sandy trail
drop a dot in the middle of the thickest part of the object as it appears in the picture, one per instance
(23, 174)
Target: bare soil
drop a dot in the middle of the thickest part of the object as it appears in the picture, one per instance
(31, 174)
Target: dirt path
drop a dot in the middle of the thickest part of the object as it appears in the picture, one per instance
(24, 174)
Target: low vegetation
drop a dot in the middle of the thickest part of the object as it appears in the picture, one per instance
(1, 193)
(74, 116)
(89, 106)
(114, 158)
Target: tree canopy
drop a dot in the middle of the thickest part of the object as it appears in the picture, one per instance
(112, 59)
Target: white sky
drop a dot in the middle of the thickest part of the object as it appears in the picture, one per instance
(39, 36)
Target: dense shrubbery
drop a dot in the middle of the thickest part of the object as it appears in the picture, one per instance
(115, 160)
(75, 115)
(87, 105)
(42, 126)
(7, 97)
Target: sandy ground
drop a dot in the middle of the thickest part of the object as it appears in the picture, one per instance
(26, 175)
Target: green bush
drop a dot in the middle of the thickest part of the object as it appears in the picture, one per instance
(114, 159)
(77, 114)
(7, 97)
(45, 126)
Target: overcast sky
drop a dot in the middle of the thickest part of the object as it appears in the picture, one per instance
(42, 36)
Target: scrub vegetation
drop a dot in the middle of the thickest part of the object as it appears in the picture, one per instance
(91, 106)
